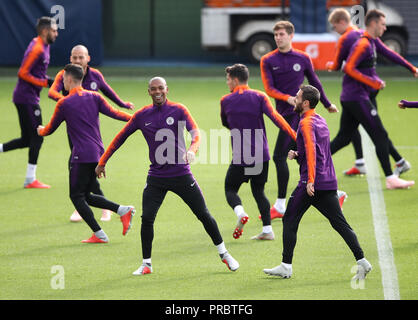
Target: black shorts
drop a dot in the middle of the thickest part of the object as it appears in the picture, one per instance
(236, 175)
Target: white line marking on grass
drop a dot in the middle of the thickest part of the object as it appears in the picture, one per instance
(407, 147)
(380, 222)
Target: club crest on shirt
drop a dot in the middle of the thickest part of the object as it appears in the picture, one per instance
(296, 67)
(37, 112)
(169, 121)
(93, 86)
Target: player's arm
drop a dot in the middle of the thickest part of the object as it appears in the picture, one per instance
(194, 131)
(24, 72)
(56, 119)
(314, 81)
(267, 78)
(336, 63)
(224, 119)
(309, 140)
(107, 109)
(55, 91)
(276, 117)
(403, 104)
(117, 142)
(111, 94)
(356, 55)
(393, 56)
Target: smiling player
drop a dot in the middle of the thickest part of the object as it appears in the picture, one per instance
(162, 123)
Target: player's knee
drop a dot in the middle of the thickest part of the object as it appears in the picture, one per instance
(343, 139)
(279, 158)
(36, 141)
(228, 187)
(258, 193)
(24, 142)
(77, 198)
(204, 216)
(147, 219)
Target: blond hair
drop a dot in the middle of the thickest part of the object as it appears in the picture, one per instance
(339, 14)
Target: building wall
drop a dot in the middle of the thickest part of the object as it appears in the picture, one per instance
(152, 29)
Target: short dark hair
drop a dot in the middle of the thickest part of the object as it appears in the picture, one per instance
(44, 23)
(373, 15)
(75, 71)
(311, 94)
(239, 71)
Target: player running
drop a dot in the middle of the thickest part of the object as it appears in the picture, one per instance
(340, 21)
(242, 112)
(162, 123)
(317, 185)
(32, 78)
(360, 80)
(80, 110)
(283, 70)
(93, 80)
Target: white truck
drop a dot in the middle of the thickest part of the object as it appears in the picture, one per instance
(248, 29)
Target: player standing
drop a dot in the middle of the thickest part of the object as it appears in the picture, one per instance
(317, 185)
(80, 110)
(32, 78)
(162, 123)
(283, 70)
(242, 112)
(93, 80)
(361, 79)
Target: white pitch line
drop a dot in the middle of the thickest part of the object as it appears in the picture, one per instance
(380, 221)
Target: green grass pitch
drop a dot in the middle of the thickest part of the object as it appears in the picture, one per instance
(36, 233)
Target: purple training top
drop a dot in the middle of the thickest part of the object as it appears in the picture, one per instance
(93, 80)
(242, 112)
(32, 73)
(80, 110)
(361, 78)
(163, 129)
(282, 75)
(314, 153)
